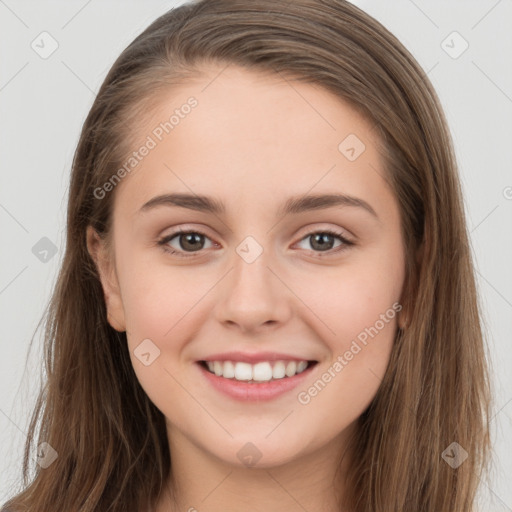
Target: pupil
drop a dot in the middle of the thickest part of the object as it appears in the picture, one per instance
(190, 239)
(321, 240)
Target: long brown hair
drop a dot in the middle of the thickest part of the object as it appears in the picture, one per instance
(113, 453)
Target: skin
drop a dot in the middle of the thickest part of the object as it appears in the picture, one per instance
(253, 141)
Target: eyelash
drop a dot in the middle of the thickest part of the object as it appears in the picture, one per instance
(181, 254)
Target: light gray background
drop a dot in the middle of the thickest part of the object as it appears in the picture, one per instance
(43, 103)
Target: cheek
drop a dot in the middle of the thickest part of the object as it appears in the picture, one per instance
(152, 306)
(166, 305)
(157, 296)
(357, 309)
(365, 328)
(159, 306)
(347, 300)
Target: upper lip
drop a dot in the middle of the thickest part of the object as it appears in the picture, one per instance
(252, 358)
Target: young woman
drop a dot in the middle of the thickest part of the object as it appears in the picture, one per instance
(267, 300)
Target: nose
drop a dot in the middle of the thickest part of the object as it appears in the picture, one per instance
(253, 297)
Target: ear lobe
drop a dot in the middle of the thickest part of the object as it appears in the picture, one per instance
(402, 319)
(108, 278)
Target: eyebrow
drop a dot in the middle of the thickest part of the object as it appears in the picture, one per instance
(293, 205)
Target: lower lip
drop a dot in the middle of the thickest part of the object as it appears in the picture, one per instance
(246, 391)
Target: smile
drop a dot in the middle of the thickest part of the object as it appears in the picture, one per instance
(264, 371)
(239, 380)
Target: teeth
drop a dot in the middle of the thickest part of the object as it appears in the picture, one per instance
(217, 368)
(228, 370)
(279, 370)
(302, 366)
(259, 372)
(243, 371)
(291, 368)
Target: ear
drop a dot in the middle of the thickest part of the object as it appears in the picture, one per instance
(103, 260)
(404, 314)
(403, 318)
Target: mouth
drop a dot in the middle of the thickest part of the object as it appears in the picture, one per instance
(260, 382)
(264, 371)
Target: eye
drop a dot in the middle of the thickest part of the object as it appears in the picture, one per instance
(188, 241)
(322, 241)
(193, 242)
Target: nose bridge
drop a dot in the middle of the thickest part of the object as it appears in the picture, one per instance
(252, 280)
(251, 267)
(254, 295)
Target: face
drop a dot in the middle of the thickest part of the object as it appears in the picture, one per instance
(260, 278)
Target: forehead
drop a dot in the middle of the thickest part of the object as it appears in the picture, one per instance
(237, 133)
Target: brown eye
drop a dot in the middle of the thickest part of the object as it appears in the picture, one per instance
(184, 242)
(323, 241)
(191, 241)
